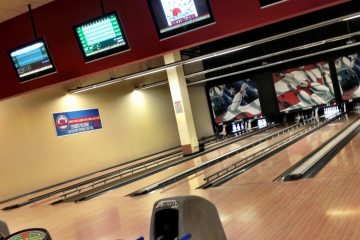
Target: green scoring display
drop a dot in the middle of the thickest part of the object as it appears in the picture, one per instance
(101, 37)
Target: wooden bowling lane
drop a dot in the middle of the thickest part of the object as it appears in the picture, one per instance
(322, 208)
(314, 209)
(170, 155)
(171, 152)
(157, 177)
(196, 180)
(186, 165)
(272, 167)
(345, 163)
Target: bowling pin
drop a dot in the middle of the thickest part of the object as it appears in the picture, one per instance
(223, 130)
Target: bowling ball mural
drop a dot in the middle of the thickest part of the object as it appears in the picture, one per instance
(304, 86)
(235, 100)
(348, 73)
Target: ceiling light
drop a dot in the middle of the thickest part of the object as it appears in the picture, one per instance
(350, 18)
(148, 72)
(302, 47)
(82, 89)
(273, 64)
(311, 45)
(151, 85)
(220, 53)
(127, 77)
(350, 41)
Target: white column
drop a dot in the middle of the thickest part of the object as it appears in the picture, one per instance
(181, 103)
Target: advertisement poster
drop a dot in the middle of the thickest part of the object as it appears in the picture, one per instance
(348, 72)
(304, 87)
(68, 123)
(235, 100)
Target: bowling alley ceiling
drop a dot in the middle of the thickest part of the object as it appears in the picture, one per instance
(317, 42)
(12, 8)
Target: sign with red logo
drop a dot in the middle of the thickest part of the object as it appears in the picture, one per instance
(67, 123)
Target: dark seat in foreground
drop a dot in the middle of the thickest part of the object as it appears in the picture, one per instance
(4, 230)
(177, 216)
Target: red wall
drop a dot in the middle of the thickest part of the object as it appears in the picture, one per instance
(55, 21)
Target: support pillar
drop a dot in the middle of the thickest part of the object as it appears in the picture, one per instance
(181, 103)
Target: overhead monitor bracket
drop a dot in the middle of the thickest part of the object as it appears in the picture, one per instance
(102, 6)
(32, 22)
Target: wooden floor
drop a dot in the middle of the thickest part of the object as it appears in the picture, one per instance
(325, 207)
(268, 170)
(347, 159)
(194, 181)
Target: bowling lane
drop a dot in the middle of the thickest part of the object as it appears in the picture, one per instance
(191, 163)
(196, 180)
(94, 175)
(203, 158)
(275, 165)
(345, 163)
(113, 169)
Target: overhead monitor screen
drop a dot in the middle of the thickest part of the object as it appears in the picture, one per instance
(234, 101)
(32, 60)
(178, 16)
(348, 74)
(264, 3)
(304, 87)
(101, 37)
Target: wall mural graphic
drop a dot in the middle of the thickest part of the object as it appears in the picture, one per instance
(348, 73)
(304, 87)
(234, 101)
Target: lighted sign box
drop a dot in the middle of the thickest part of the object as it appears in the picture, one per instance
(101, 36)
(175, 17)
(32, 60)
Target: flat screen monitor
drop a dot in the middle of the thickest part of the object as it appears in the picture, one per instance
(32, 60)
(234, 100)
(101, 36)
(304, 87)
(265, 3)
(174, 17)
(348, 74)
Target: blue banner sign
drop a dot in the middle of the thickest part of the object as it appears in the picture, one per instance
(67, 123)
